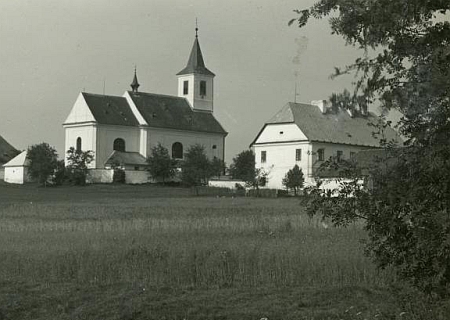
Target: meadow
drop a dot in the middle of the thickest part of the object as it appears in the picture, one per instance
(143, 252)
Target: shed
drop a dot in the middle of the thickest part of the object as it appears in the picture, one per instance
(16, 170)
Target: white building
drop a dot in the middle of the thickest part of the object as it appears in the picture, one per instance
(309, 134)
(7, 152)
(137, 121)
(16, 170)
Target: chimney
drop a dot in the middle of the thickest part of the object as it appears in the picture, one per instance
(322, 104)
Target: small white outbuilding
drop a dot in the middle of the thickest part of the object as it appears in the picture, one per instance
(16, 170)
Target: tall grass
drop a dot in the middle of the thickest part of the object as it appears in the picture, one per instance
(180, 242)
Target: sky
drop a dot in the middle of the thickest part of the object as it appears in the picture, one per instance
(51, 50)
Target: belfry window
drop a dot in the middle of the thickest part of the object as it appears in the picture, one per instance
(177, 150)
(203, 88)
(185, 87)
(78, 149)
(119, 145)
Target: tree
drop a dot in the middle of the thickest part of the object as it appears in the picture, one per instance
(196, 167)
(243, 166)
(404, 65)
(217, 167)
(294, 179)
(43, 162)
(160, 164)
(77, 165)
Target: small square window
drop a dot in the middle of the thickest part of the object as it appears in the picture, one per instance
(263, 156)
(298, 154)
(185, 87)
(321, 154)
(136, 168)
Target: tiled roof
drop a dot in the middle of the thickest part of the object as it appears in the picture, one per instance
(162, 111)
(111, 110)
(195, 63)
(7, 151)
(123, 158)
(333, 127)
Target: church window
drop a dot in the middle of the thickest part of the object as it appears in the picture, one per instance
(119, 145)
(185, 87)
(177, 150)
(263, 156)
(203, 88)
(78, 149)
(298, 154)
(321, 154)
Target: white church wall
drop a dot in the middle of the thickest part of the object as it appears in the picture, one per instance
(168, 137)
(88, 135)
(106, 134)
(196, 100)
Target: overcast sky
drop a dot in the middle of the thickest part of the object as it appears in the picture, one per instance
(51, 50)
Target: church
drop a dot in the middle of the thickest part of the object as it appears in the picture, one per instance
(122, 130)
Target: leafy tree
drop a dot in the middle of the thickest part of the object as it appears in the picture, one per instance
(217, 167)
(294, 179)
(43, 162)
(404, 65)
(243, 166)
(161, 165)
(196, 167)
(77, 165)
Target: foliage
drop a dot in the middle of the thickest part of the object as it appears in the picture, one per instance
(77, 165)
(404, 65)
(217, 167)
(294, 179)
(118, 175)
(43, 162)
(243, 166)
(196, 167)
(160, 164)
(60, 173)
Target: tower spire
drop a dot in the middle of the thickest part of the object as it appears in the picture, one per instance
(196, 28)
(135, 84)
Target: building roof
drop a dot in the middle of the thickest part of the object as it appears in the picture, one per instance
(332, 127)
(7, 151)
(18, 161)
(111, 110)
(195, 63)
(163, 111)
(126, 158)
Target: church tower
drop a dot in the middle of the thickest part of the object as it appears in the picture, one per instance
(195, 81)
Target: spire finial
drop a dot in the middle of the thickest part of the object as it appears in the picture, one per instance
(135, 84)
(196, 28)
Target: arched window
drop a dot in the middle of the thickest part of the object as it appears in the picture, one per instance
(78, 149)
(119, 145)
(177, 150)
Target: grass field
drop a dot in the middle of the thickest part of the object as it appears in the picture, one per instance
(143, 252)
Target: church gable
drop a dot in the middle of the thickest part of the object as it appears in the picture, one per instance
(80, 112)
